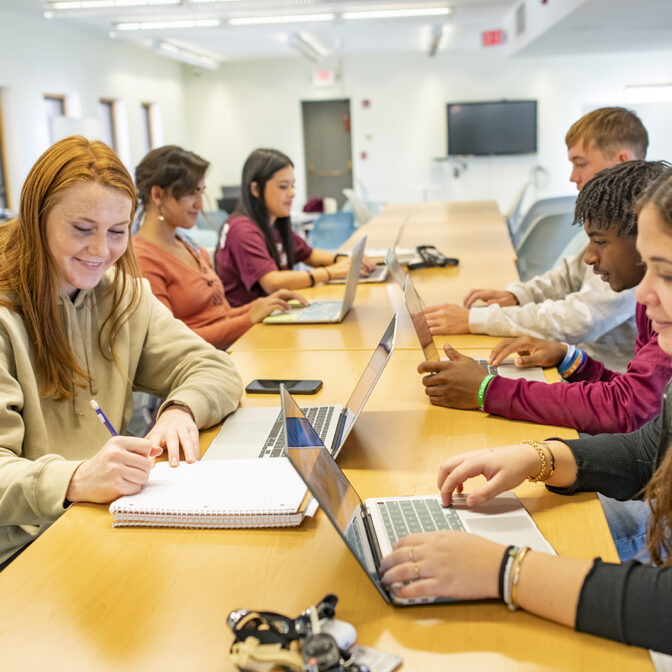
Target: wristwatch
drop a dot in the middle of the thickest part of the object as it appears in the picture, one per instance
(179, 404)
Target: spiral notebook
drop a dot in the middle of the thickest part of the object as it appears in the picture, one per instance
(230, 493)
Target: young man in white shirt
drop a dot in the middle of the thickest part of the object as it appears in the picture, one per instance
(568, 303)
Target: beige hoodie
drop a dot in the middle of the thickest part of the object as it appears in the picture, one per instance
(42, 441)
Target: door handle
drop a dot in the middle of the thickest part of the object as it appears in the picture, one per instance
(330, 173)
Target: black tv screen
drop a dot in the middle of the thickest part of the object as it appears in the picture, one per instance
(497, 127)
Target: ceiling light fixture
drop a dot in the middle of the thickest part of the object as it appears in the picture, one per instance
(289, 18)
(396, 13)
(308, 45)
(167, 25)
(69, 5)
(186, 54)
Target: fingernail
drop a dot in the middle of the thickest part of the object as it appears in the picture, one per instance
(174, 461)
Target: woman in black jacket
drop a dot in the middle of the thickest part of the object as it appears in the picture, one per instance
(629, 602)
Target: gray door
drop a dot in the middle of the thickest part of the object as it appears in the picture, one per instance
(328, 148)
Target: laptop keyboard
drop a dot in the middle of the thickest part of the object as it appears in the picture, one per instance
(318, 416)
(484, 363)
(406, 516)
(320, 310)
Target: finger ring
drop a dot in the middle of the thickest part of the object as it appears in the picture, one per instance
(416, 571)
(411, 556)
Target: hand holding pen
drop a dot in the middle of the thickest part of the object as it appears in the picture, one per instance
(120, 467)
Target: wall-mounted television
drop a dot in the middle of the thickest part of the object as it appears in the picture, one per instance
(492, 127)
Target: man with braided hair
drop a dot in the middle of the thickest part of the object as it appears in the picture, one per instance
(568, 302)
(597, 399)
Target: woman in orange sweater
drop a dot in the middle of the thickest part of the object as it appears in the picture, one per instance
(170, 183)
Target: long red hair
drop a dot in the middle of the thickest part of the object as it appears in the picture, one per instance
(29, 283)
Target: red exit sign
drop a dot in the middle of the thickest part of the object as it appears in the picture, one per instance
(492, 38)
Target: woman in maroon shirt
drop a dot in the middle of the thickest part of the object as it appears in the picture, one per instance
(257, 248)
(170, 183)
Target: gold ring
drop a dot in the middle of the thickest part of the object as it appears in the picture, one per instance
(411, 556)
(416, 571)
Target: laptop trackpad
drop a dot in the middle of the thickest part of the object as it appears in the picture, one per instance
(242, 435)
(506, 530)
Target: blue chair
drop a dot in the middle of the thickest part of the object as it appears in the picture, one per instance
(546, 206)
(330, 231)
(543, 243)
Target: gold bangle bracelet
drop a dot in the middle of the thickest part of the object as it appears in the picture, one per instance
(515, 576)
(547, 465)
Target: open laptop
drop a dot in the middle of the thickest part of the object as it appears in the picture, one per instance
(371, 529)
(258, 432)
(380, 273)
(320, 312)
(395, 268)
(506, 369)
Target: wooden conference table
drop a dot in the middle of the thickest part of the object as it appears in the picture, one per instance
(86, 596)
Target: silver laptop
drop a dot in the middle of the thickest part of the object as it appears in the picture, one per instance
(319, 312)
(257, 432)
(395, 268)
(506, 369)
(371, 529)
(380, 273)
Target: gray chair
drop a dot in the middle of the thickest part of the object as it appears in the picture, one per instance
(514, 213)
(575, 245)
(545, 206)
(543, 243)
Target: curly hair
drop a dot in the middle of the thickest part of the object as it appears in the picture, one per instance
(610, 198)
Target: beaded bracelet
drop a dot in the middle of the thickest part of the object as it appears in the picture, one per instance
(328, 274)
(482, 388)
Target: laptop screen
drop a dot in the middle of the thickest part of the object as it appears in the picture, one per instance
(353, 275)
(414, 306)
(328, 484)
(395, 268)
(369, 378)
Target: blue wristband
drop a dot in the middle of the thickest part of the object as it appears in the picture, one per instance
(566, 362)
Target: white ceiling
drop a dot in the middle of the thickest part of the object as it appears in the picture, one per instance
(596, 25)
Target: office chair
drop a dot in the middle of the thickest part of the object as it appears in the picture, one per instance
(359, 207)
(545, 206)
(544, 241)
(330, 231)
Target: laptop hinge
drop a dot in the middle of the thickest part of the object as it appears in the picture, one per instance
(339, 430)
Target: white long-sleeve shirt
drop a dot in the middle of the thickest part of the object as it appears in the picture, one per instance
(569, 303)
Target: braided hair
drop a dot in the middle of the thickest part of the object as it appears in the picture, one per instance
(610, 198)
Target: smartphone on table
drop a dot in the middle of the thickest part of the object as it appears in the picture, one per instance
(272, 386)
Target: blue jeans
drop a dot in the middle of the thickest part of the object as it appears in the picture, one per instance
(627, 523)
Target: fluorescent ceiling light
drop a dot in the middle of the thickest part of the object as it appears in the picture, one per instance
(163, 25)
(315, 43)
(290, 18)
(396, 13)
(103, 4)
(186, 54)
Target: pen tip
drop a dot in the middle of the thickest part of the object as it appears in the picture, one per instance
(94, 405)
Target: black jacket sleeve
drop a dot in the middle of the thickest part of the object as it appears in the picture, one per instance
(629, 603)
(617, 465)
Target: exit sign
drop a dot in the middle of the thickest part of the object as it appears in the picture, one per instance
(492, 38)
(324, 77)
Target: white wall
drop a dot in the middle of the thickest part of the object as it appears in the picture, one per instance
(40, 56)
(248, 104)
